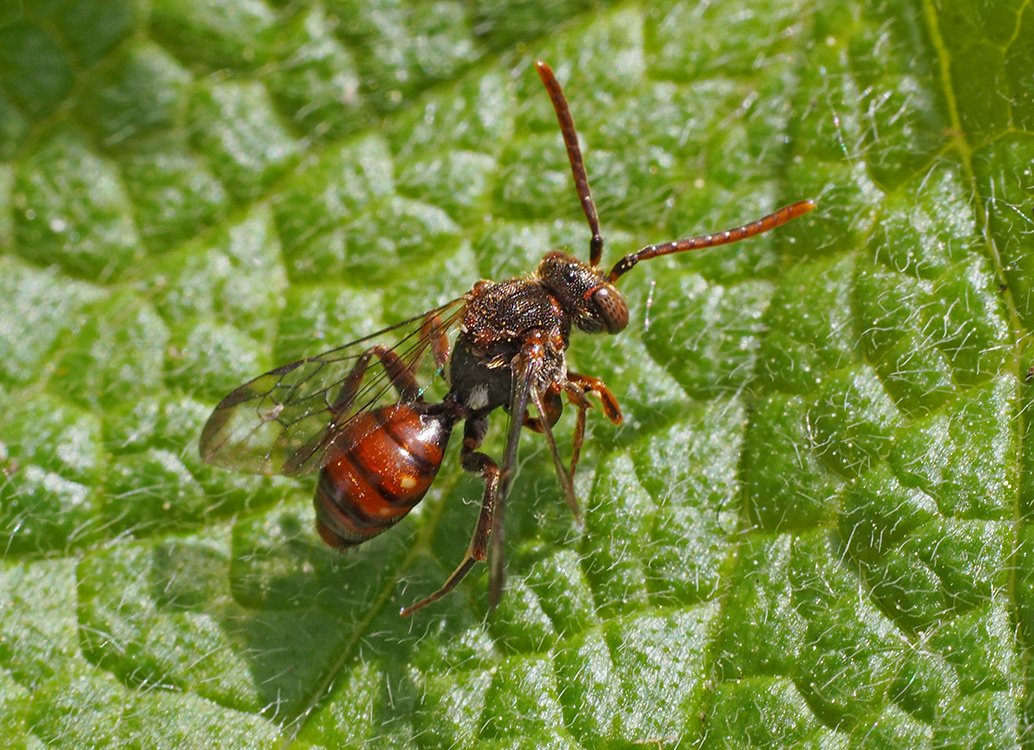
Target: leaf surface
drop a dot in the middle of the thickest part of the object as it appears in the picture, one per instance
(810, 531)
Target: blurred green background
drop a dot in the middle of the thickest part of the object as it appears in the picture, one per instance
(812, 530)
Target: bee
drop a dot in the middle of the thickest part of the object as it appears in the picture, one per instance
(361, 414)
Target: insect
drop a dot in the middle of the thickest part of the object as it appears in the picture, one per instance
(361, 417)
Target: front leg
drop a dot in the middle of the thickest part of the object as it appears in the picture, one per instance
(550, 406)
(576, 387)
(595, 386)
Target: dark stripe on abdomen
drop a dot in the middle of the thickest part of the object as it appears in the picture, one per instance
(381, 466)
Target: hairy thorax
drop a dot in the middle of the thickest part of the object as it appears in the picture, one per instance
(496, 323)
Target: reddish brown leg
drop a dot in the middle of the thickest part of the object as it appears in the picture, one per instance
(475, 463)
(525, 367)
(489, 528)
(561, 471)
(433, 331)
(554, 408)
(598, 388)
(401, 375)
(577, 398)
(576, 387)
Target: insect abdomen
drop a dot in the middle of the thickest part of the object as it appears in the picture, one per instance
(377, 470)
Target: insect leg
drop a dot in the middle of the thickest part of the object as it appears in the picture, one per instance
(561, 471)
(497, 478)
(525, 366)
(554, 408)
(474, 462)
(576, 387)
(577, 397)
(433, 330)
(574, 155)
(400, 375)
(595, 386)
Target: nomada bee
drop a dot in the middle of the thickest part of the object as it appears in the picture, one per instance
(360, 417)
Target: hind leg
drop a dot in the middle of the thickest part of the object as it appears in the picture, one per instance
(401, 375)
(474, 462)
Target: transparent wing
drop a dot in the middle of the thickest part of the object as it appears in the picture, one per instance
(281, 422)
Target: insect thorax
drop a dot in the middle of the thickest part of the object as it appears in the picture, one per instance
(495, 326)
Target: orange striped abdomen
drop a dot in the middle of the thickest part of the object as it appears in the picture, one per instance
(377, 470)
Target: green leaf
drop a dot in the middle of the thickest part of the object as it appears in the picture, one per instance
(812, 528)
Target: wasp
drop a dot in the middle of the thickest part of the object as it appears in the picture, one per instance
(362, 414)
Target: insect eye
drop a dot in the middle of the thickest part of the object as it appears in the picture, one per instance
(570, 274)
(612, 308)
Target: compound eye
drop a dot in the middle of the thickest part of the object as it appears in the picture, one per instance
(612, 308)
